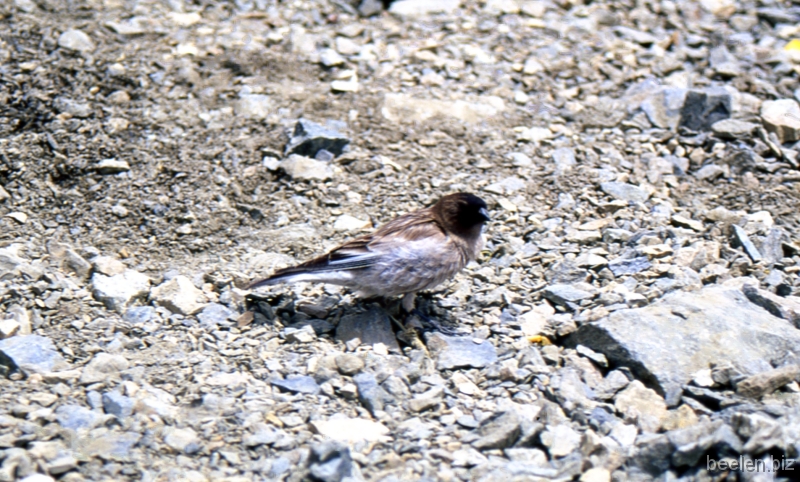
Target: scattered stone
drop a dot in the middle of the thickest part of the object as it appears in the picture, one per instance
(306, 334)
(254, 106)
(371, 395)
(562, 294)
(560, 440)
(350, 430)
(787, 308)
(564, 158)
(629, 266)
(182, 440)
(427, 400)
(642, 406)
(104, 368)
(114, 403)
(782, 117)
(349, 364)
(179, 295)
(346, 222)
(743, 240)
(733, 129)
(331, 462)
(76, 417)
(702, 109)
(31, 354)
(308, 138)
(685, 222)
(306, 169)
(297, 384)
(453, 352)
(418, 8)
(107, 265)
(498, 431)
(77, 41)
(116, 292)
(625, 192)
(215, 314)
(112, 166)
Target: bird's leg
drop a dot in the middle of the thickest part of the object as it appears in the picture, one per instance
(409, 333)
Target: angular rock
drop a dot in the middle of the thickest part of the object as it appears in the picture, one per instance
(701, 109)
(498, 431)
(787, 308)
(460, 351)
(297, 384)
(331, 462)
(117, 404)
(371, 395)
(31, 354)
(418, 8)
(184, 440)
(104, 367)
(371, 327)
(764, 383)
(625, 192)
(76, 417)
(308, 138)
(561, 294)
(684, 332)
(642, 406)
(345, 429)
(179, 295)
(306, 169)
(628, 266)
(743, 240)
(733, 128)
(107, 265)
(116, 292)
(215, 314)
(782, 117)
(254, 106)
(560, 440)
(77, 41)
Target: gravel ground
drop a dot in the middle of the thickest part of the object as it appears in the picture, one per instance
(634, 315)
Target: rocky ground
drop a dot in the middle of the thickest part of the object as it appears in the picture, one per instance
(634, 315)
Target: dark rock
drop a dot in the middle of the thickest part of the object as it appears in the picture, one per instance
(459, 351)
(667, 342)
(651, 454)
(786, 308)
(629, 266)
(308, 138)
(371, 327)
(692, 442)
(331, 462)
(498, 431)
(31, 354)
(117, 404)
(297, 384)
(701, 109)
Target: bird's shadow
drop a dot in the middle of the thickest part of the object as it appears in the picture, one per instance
(286, 310)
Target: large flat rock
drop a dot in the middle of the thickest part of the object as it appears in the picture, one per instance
(667, 342)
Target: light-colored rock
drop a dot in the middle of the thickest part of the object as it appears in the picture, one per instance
(104, 368)
(403, 108)
(346, 222)
(782, 117)
(254, 106)
(179, 439)
(179, 295)
(351, 430)
(77, 41)
(107, 265)
(418, 8)
(116, 292)
(560, 440)
(306, 169)
(641, 405)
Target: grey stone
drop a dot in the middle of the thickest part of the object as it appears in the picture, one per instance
(264, 435)
(663, 106)
(733, 128)
(76, 417)
(723, 62)
(254, 106)
(117, 404)
(308, 138)
(368, 8)
(71, 107)
(692, 442)
(215, 314)
(498, 431)
(104, 367)
(306, 169)
(701, 109)
(625, 192)
(371, 395)
(651, 454)
(111, 445)
(77, 41)
(710, 172)
(628, 266)
(667, 342)
(31, 354)
(561, 294)
(764, 383)
(743, 240)
(371, 327)
(139, 315)
(116, 292)
(183, 440)
(349, 364)
(297, 384)
(560, 440)
(460, 352)
(564, 158)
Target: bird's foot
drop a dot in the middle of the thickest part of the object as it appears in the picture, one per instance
(429, 324)
(409, 335)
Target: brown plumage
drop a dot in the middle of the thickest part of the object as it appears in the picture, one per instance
(413, 252)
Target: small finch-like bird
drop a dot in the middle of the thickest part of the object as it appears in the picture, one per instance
(413, 252)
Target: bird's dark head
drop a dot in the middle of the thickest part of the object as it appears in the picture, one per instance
(462, 212)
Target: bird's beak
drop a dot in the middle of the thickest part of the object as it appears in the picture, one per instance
(485, 214)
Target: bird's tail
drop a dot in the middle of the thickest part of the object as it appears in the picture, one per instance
(285, 275)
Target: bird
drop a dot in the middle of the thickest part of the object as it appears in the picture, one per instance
(411, 253)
